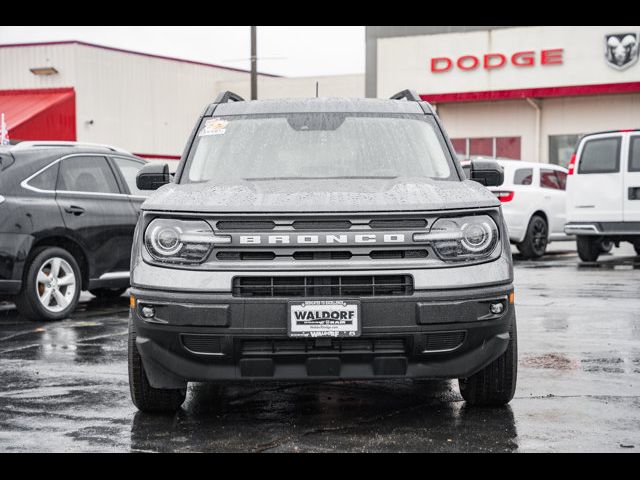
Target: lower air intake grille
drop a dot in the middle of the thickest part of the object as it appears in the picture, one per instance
(326, 286)
(330, 346)
(443, 341)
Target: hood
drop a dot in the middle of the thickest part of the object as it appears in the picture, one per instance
(322, 195)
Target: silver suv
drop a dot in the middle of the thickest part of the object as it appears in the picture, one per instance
(320, 239)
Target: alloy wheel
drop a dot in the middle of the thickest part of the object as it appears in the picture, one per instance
(540, 236)
(56, 284)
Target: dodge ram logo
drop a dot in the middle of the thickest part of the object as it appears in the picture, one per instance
(320, 239)
(621, 50)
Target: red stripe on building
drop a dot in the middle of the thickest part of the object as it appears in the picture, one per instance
(548, 92)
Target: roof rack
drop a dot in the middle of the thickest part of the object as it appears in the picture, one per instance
(409, 95)
(62, 144)
(227, 96)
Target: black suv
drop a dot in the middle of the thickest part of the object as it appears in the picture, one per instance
(321, 239)
(67, 217)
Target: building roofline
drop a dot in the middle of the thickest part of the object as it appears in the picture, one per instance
(133, 52)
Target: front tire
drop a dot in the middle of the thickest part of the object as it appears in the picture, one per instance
(144, 396)
(535, 241)
(51, 285)
(495, 384)
(588, 248)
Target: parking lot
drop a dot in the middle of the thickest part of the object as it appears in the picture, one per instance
(64, 385)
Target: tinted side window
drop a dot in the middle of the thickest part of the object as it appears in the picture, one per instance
(87, 174)
(600, 156)
(523, 176)
(634, 155)
(129, 169)
(46, 180)
(548, 179)
(562, 179)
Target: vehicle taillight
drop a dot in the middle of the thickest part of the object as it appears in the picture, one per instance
(572, 164)
(505, 196)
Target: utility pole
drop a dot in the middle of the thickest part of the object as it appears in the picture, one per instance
(254, 65)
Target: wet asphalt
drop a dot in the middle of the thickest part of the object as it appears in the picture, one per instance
(64, 387)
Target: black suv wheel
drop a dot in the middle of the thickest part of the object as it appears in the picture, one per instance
(144, 396)
(589, 248)
(535, 242)
(51, 285)
(495, 384)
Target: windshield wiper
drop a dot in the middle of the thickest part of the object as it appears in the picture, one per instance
(355, 177)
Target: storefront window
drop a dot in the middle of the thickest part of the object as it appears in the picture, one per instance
(508, 147)
(561, 147)
(495, 147)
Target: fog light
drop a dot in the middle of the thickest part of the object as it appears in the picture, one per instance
(148, 311)
(496, 308)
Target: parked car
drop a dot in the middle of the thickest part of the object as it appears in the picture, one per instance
(67, 217)
(320, 239)
(533, 198)
(603, 191)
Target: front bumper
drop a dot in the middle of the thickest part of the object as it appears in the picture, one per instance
(212, 337)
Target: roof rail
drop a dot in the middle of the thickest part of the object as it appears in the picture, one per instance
(409, 95)
(227, 96)
(62, 144)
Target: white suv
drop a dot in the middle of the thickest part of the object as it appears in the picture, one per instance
(533, 200)
(603, 192)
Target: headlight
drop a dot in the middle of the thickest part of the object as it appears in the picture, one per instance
(463, 238)
(181, 241)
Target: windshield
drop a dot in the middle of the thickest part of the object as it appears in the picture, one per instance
(317, 146)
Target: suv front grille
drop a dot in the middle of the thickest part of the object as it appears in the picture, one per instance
(292, 242)
(324, 286)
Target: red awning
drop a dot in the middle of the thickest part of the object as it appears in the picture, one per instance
(40, 114)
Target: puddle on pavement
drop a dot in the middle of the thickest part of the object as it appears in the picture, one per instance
(554, 361)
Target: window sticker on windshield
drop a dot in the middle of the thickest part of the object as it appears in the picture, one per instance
(214, 126)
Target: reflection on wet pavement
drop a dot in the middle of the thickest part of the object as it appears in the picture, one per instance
(64, 385)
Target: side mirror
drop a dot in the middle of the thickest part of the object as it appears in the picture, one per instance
(152, 176)
(487, 172)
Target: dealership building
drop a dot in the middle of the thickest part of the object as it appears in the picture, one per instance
(525, 93)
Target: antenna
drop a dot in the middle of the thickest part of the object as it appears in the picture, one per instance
(317, 88)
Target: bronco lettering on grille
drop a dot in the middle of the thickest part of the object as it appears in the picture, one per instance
(320, 239)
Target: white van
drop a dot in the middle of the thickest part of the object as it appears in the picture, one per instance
(533, 201)
(603, 192)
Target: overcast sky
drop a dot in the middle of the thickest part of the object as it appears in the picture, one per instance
(289, 51)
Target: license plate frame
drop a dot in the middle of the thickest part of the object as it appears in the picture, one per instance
(328, 325)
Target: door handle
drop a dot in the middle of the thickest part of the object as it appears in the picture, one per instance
(74, 210)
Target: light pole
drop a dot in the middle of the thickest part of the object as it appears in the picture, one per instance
(254, 65)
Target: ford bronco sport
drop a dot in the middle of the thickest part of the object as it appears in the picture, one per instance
(320, 239)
